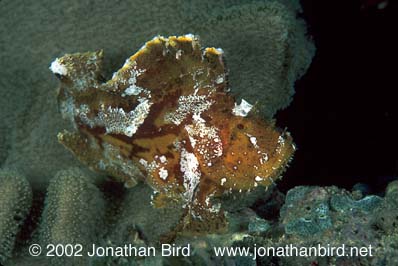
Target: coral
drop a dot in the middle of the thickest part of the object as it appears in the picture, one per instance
(131, 221)
(315, 210)
(168, 111)
(73, 214)
(386, 215)
(352, 222)
(273, 70)
(311, 216)
(15, 202)
(344, 203)
(258, 225)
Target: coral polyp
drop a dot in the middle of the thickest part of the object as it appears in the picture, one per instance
(167, 118)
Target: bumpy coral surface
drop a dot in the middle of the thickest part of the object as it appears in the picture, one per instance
(73, 213)
(168, 112)
(15, 202)
(331, 216)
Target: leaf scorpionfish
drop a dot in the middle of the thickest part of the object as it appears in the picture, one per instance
(167, 118)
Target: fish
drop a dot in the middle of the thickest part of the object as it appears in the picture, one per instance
(167, 118)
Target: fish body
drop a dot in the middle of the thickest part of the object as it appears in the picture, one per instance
(167, 118)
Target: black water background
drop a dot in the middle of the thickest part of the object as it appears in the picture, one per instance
(344, 117)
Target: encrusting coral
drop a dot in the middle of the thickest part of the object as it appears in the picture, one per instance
(15, 202)
(168, 112)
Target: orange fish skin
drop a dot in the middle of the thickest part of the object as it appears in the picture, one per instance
(167, 118)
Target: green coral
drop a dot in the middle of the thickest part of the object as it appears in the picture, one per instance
(145, 219)
(344, 203)
(311, 210)
(270, 52)
(73, 214)
(15, 202)
(352, 223)
(386, 215)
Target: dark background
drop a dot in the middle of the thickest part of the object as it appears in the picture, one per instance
(344, 115)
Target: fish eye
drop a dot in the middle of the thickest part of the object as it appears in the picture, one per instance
(240, 126)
